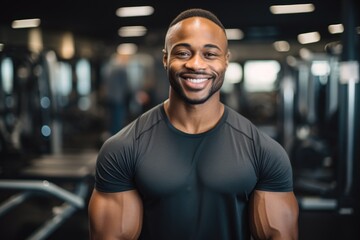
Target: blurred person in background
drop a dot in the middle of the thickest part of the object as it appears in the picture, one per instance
(116, 93)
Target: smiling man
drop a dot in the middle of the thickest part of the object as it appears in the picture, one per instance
(191, 167)
(196, 56)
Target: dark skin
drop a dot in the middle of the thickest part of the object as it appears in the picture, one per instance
(196, 57)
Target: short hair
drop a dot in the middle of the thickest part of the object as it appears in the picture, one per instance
(197, 12)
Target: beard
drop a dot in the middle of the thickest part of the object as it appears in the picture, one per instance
(217, 82)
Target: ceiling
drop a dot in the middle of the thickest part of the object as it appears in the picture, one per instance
(95, 20)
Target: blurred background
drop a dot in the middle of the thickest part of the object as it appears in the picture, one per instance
(72, 73)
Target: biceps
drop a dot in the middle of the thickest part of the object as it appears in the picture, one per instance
(274, 215)
(115, 215)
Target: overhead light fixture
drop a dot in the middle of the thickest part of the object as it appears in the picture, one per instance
(132, 31)
(26, 23)
(292, 8)
(281, 46)
(310, 37)
(234, 34)
(336, 28)
(134, 11)
(339, 28)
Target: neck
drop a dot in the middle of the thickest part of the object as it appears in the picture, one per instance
(194, 119)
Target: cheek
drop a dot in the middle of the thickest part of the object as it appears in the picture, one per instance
(174, 68)
(219, 69)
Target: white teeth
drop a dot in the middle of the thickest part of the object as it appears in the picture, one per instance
(197, 80)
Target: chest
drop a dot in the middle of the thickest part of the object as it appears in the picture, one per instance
(217, 163)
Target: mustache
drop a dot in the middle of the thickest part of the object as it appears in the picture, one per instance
(193, 72)
(210, 74)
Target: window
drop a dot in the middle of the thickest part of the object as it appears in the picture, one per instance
(7, 75)
(260, 75)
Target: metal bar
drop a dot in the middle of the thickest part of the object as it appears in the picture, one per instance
(317, 203)
(44, 186)
(51, 225)
(13, 201)
(61, 214)
(349, 75)
(350, 137)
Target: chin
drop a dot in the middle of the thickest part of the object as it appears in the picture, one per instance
(195, 101)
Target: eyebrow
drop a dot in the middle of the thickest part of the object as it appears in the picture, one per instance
(188, 45)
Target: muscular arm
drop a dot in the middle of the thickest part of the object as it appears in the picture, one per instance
(115, 215)
(274, 215)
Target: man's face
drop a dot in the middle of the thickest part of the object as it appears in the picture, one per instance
(196, 57)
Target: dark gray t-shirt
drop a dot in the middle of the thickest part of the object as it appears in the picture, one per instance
(193, 186)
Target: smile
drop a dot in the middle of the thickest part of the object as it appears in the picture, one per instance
(197, 80)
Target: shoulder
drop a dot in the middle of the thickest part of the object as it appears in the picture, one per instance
(267, 149)
(148, 120)
(240, 123)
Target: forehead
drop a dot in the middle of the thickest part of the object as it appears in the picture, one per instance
(196, 30)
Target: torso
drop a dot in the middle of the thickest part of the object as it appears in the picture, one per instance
(194, 186)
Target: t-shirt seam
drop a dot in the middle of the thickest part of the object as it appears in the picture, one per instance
(257, 169)
(240, 131)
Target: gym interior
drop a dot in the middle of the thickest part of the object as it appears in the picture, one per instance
(72, 75)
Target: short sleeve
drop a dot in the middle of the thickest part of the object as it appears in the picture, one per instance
(114, 167)
(275, 170)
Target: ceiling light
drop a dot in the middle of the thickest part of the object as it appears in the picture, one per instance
(281, 46)
(127, 49)
(309, 37)
(132, 31)
(292, 8)
(234, 34)
(134, 11)
(26, 23)
(336, 28)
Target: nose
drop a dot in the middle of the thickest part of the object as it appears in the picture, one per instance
(196, 62)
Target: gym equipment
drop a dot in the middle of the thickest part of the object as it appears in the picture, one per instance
(32, 161)
(349, 111)
(66, 177)
(310, 118)
(310, 150)
(26, 107)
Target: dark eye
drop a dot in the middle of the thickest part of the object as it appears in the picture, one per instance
(210, 55)
(182, 54)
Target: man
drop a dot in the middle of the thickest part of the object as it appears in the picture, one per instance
(192, 168)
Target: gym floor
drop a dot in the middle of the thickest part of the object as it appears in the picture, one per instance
(20, 222)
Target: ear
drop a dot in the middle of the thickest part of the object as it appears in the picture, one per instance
(165, 58)
(228, 55)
